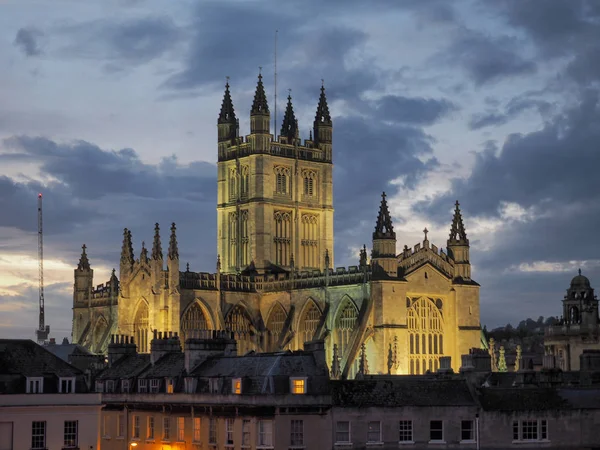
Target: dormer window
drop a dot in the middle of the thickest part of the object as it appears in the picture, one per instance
(154, 385)
(236, 386)
(170, 385)
(190, 385)
(213, 385)
(298, 385)
(99, 386)
(110, 386)
(142, 386)
(35, 385)
(125, 386)
(66, 385)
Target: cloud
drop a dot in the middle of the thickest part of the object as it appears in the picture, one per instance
(418, 111)
(512, 110)
(27, 41)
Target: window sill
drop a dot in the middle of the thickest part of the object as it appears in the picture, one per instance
(406, 442)
(342, 444)
(468, 441)
(150, 441)
(374, 444)
(106, 438)
(121, 438)
(437, 442)
(265, 447)
(532, 441)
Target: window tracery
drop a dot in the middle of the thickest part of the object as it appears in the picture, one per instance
(309, 323)
(310, 241)
(282, 180)
(426, 340)
(193, 320)
(344, 325)
(239, 323)
(282, 238)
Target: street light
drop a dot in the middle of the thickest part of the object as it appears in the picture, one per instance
(133, 444)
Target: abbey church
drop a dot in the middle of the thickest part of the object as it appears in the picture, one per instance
(276, 286)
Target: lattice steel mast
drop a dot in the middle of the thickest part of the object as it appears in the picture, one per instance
(44, 330)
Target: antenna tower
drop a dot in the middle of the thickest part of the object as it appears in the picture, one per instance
(44, 330)
(275, 101)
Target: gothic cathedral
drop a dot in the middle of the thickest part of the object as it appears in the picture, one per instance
(275, 285)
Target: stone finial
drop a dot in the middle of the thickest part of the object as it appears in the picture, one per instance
(289, 127)
(218, 263)
(227, 114)
(502, 361)
(363, 365)
(127, 248)
(458, 235)
(492, 350)
(425, 231)
(383, 227)
(144, 254)
(156, 245)
(173, 249)
(518, 359)
(326, 258)
(260, 105)
(335, 364)
(84, 263)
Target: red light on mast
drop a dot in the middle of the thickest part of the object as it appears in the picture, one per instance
(40, 195)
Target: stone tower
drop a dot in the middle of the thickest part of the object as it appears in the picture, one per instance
(384, 243)
(275, 195)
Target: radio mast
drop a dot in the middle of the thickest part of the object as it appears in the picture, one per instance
(44, 330)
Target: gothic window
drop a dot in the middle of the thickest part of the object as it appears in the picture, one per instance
(282, 238)
(309, 182)
(245, 181)
(239, 322)
(233, 183)
(141, 328)
(275, 326)
(282, 180)
(344, 325)
(233, 239)
(193, 320)
(425, 328)
(245, 239)
(308, 324)
(310, 241)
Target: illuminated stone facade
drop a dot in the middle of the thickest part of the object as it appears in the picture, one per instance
(276, 285)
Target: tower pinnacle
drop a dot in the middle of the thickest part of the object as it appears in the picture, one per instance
(127, 248)
(289, 127)
(156, 246)
(322, 116)
(260, 105)
(457, 230)
(173, 250)
(84, 263)
(227, 114)
(384, 228)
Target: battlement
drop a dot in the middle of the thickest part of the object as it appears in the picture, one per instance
(306, 152)
(410, 258)
(275, 282)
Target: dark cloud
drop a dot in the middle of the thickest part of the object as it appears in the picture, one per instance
(513, 109)
(417, 111)
(27, 41)
(121, 42)
(487, 59)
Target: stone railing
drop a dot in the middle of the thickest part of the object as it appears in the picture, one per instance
(414, 257)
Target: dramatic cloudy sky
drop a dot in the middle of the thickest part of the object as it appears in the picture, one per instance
(109, 108)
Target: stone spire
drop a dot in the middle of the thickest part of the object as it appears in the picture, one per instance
(363, 257)
(458, 235)
(173, 250)
(322, 117)
(127, 248)
(259, 105)
(336, 371)
(84, 263)
(227, 114)
(289, 127)
(144, 254)
(156, 245)
(384, 228)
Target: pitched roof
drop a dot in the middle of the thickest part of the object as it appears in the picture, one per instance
(169, 365)
(25, 357)
(522, 399)
(402, 391)
(126, 367)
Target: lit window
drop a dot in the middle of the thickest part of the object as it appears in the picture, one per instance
(297, 433)
(136, 427)
(66, 385)
(170, 386)
(38, 435)
(265, 433)
(246, 433)
(35, 385)
(467, 430)
(374, 432)
(406, 431)
(197, 424)
(229, 432)
(142, 386)
(181, 428)
(342, 432)
(236, 385)
(436, 430)
(150, 431)
(166, 429)
(298, 385)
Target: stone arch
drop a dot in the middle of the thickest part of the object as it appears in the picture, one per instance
(345, 321)
(141, 326)
(425, 335)
(239, 322)
(195, 317)
(308, 322)
(275, 323)
(99, 331)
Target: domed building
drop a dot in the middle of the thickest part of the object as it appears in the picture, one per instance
(578, 328)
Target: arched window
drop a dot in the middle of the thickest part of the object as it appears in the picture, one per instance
(309, 322)
(310, 241)
(233, 240)
(141, 328)
(309, 177)
(425, 328)
(344, 325)
(275, 326)
(245, 239)
(245, 181)
(193, 320)
(238, 321)
(282, 241)
(233, 183)
(282, 179)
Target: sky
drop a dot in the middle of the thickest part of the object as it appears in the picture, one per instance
(109, 107)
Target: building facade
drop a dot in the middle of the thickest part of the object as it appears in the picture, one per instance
(276, 285)
(578, 328)
(44, 402)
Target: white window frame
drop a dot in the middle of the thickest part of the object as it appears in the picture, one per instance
(43, 434)
(76, 440)
(136, 431)
(150, 429)
(166, 434)
(212, 431)
(229, 432)
(235, 388)
(214, 385)
(294, 433)
(349, 431)
(154, 385)
(473, 434)
(180, 429)
(264, 435)
(121, 426)
(99, 386)
(369, 440)
(70, 385)
(125, 386)
(189, 385)
(142, 386)
(35, 385)
(246, 427)
(110, 386)
(405, 430)
(542, 426)
(437, 441)
(292, 385)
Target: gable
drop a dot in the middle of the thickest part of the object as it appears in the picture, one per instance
(427, 278)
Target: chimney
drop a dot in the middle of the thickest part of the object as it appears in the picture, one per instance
(445, 365)
(206, 343)
(120, 345)
(163, 344)
(317, 348)
(589, 361)
(52, 341)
